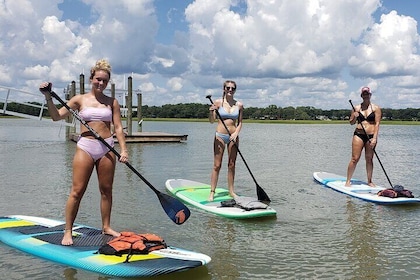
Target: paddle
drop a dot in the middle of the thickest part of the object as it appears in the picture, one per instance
(175, 209)
(360, 121)
(261, 194)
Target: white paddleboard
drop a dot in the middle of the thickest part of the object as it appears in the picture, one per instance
(359, 189)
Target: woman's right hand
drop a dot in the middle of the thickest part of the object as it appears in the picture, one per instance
(45, 88)
(356, 115)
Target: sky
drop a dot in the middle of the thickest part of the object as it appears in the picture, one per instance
(316, 53)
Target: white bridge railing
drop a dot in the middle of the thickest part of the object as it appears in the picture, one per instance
(9, 95)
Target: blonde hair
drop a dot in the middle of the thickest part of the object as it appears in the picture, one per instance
(103, 65)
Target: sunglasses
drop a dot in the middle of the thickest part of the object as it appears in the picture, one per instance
(230, 88)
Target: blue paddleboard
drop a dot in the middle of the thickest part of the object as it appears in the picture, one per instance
(41, 237)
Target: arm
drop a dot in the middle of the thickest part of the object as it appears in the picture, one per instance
(212, 111)
(239, 122)
(378, 117)
(118, 128)
(353, 116)
(62, 113)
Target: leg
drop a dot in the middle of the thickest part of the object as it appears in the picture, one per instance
(218, 149)
(356, 151)
(82, 169)
(369, 163)
(232, 152)
(105, 169)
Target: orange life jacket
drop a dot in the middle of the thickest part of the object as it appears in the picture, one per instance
(132, 243)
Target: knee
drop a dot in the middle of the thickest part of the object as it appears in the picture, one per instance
(231, 165)
(354, 160)
(369, 160)
(216, 167)
(76, 195)
(105, 191)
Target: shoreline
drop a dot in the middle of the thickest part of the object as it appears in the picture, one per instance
(383, 122)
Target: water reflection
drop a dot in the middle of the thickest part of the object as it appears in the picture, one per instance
(222, 256)
(200, 273)
(363, 241)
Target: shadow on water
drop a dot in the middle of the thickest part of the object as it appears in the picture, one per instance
(199, 273)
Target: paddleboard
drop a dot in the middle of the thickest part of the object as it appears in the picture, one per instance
(41, 237)
(359, 189)
(196, 194)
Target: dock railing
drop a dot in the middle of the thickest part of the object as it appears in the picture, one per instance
(10, 96)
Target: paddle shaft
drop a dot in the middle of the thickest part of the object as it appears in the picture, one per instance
(377, 157)
(166, 200)
(260, 192)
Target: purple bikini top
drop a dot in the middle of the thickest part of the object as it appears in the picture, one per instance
(96, 114)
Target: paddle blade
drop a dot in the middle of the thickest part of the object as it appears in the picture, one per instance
(262, 195)
(175, 209)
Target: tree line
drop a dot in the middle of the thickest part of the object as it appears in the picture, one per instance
(272, 112)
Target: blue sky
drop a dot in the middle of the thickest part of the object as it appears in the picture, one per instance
(287, 53)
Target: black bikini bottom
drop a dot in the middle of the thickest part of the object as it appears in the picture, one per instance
(365, 138)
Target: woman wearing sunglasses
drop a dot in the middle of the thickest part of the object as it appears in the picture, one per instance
(368, 117)
(227, 131)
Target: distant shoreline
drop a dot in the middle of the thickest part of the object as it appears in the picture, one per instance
(384, 122)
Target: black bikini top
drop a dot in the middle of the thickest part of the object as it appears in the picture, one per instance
(369, 118)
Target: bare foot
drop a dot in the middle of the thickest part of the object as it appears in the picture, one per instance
(211, 196)
(347, 184)
(67, 238)
(232, 194)
(372, 185)
(110, 231)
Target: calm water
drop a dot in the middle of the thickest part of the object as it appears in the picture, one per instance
(318, 233)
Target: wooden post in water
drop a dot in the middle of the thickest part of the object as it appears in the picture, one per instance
(130, 107)
(69, 94)
(139, 112)
(82, 83)
(112, 90)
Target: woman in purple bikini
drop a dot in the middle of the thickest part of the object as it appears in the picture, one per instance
(368, 117)
(99, 111)
(231, 112)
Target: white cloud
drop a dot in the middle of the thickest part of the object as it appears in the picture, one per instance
(288, 53)
(175, 84)
(388, 49)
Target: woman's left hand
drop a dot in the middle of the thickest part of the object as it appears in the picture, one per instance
(373, 142)
(233, 137)
(123, 157)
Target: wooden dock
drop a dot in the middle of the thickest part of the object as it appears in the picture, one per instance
(145, 137)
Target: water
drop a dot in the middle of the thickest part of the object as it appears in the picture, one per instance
(318, 233)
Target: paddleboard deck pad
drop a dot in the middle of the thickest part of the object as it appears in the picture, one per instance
(41, 237)
(359, 189)
(197, 194)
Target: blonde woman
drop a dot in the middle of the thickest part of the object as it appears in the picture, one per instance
(100, 112)
(231, 112)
